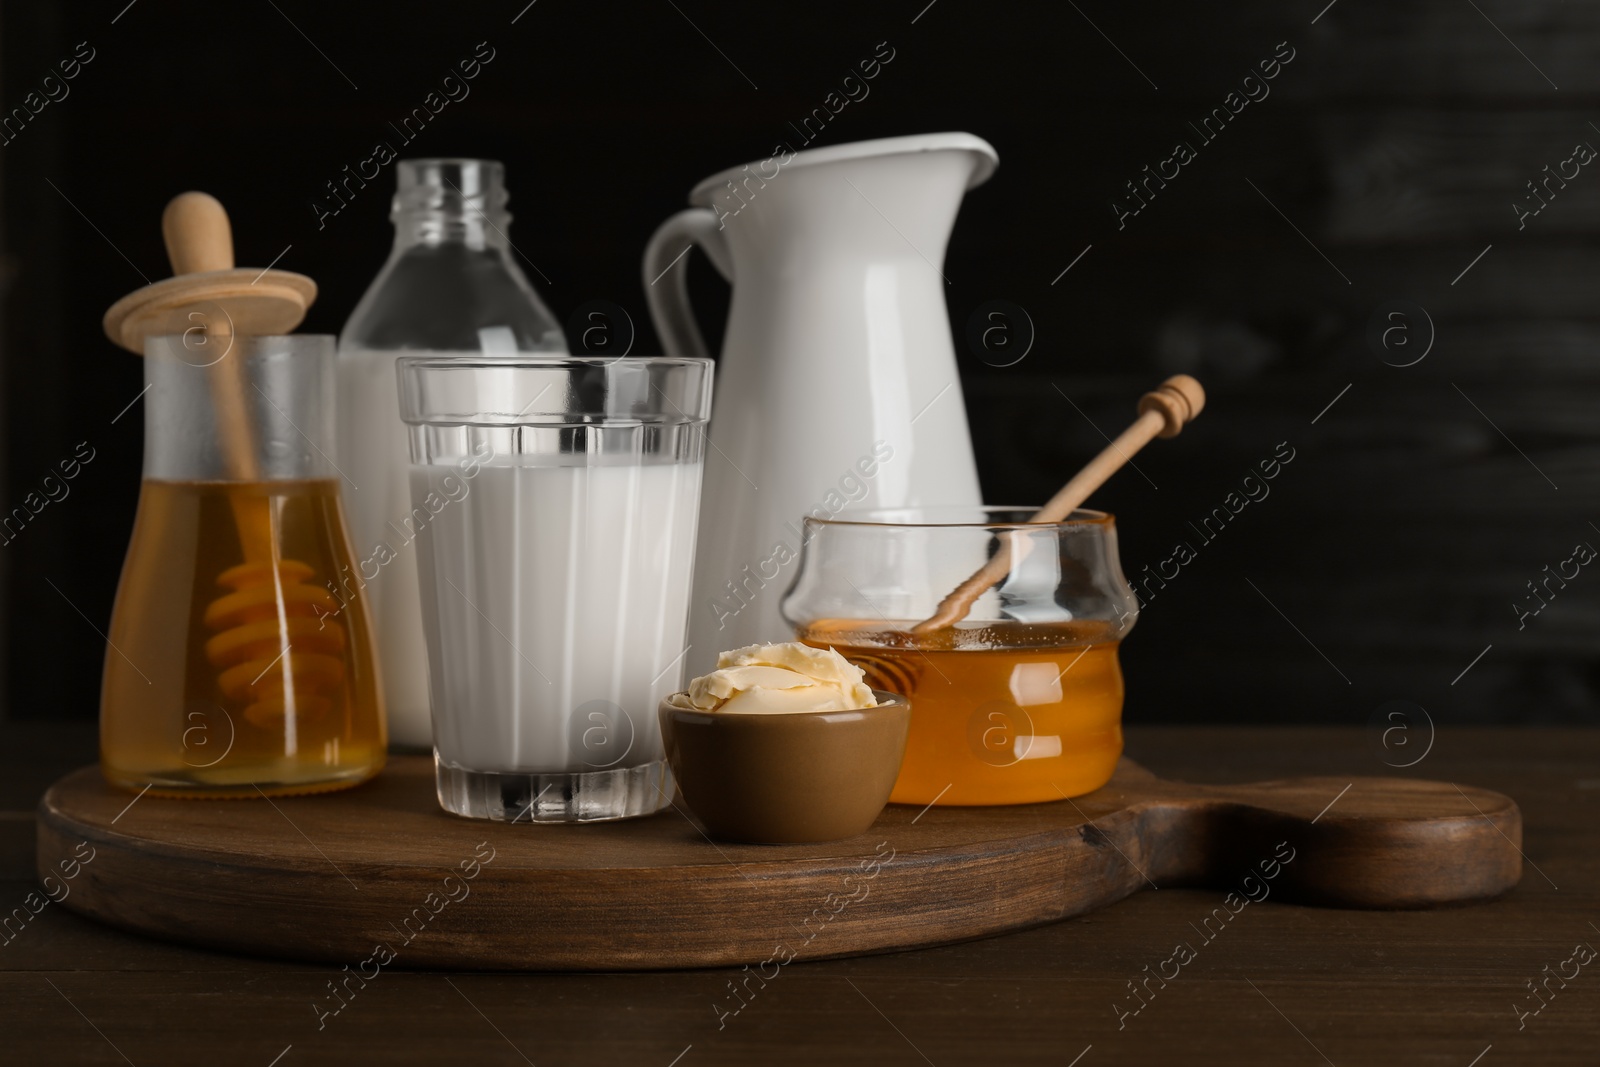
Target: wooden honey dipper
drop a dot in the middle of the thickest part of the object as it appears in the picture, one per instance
(212, 303)
(1162, 413)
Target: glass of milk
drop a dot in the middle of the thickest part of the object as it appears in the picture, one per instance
(555, 501)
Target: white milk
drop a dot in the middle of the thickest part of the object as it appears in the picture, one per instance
(374, 459)
(557, 600)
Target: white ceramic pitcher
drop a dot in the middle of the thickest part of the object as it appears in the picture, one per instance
(837, 383)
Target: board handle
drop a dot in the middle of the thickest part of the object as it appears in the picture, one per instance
(1361, 843)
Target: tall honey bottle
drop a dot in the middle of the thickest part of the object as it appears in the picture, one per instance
(240, 659)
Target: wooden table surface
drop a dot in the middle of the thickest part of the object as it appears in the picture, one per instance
(1281, 984)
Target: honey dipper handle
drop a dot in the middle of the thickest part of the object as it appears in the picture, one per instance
(1162, 413)
(198, 236)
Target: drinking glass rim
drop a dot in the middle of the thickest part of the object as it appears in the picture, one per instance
(1079, 517)
(538, 361)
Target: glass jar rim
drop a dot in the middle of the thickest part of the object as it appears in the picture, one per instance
(253, 346)
(284, 340)
(1080, 517)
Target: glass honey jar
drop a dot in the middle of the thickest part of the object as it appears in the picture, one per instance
(1021, 701)
(240, 659)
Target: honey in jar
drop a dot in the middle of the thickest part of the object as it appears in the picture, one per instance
(1001, 712)
(238, 659)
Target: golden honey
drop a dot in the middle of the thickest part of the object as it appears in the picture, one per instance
(240, 659)
(1001, 712)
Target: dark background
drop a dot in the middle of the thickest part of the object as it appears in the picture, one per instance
(1397, 141)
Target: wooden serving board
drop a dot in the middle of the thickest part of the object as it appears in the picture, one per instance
(332, 878)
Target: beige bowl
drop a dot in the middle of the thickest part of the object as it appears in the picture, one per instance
(787, 778)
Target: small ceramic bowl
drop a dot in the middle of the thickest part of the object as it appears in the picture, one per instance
(791, 777)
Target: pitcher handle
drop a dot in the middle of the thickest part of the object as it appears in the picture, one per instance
(666, 276)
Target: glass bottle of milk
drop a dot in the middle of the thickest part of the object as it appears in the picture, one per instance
(451, 287)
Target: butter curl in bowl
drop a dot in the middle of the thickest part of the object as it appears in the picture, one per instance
(769, 679)
(785, 743)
